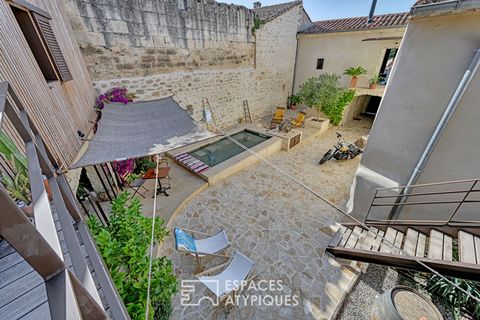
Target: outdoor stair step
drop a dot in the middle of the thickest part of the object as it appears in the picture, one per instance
(468, 247)
(353, 239)
(345, 237)
(366, 239)
(414, 243)
(337, 237)
(392, 242)
(440, 246)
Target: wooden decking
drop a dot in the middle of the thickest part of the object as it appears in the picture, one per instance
(23, 293)
(391, 246)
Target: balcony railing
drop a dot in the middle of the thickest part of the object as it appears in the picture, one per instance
(72, 294)
(452, 203)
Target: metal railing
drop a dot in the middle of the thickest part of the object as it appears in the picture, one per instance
(442, 201)
(71, 295)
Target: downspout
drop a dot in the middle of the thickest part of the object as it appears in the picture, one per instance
(442, 124)
(295, 67)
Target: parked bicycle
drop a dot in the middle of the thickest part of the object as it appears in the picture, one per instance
(343, 151)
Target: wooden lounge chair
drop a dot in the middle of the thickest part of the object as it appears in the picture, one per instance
(209, 246)
(299, 121)
(233, 276)
(278, 116)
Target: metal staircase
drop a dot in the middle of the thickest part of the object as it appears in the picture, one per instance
(448, 245)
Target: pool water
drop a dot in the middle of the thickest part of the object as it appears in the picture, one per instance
(224, 149)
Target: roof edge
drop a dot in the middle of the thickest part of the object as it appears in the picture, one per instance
(444, 7)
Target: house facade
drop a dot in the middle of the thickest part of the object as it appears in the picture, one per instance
(438, 53)
(50, 77)
(331, 46)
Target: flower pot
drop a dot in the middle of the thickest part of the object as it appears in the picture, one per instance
(293, 106)
(47, 188)
(353, 83)
(372, 86)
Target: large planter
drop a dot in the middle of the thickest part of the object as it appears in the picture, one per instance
(401, 303)
(353, 82)
(318, 123)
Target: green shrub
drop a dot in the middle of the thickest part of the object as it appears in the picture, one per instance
(125, 246)
(334, 111)
(457, 300)
(325, 94)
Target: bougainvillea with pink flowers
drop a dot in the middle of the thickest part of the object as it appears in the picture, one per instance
(124, 167)
(114, 95)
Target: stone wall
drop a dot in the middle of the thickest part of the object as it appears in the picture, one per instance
(124, 38)
(223, 62)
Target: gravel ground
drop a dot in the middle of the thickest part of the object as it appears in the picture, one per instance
(374, 281)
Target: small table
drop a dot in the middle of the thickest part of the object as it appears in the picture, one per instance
(163, 173)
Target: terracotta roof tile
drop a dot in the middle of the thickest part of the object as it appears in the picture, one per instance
(271, 12)
(358, 23)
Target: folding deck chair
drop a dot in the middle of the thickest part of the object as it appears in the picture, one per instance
(278, 116)
(136, 185)
(298, 122)
(208, 247)
(234, 274)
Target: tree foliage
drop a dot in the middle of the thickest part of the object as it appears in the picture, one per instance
(324, 93)
(124, 245)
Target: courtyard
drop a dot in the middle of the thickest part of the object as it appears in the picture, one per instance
(280, 226)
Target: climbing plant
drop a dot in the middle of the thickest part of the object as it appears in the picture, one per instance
(124, 244)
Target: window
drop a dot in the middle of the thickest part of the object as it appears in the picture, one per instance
(320, 64)
(35, 25)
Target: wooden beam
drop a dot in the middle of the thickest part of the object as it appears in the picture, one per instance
(29, 243)
(89, 307)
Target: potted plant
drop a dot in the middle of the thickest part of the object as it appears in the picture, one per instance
(376, 79)
(354, 72)
(18, 185)
(294, 101)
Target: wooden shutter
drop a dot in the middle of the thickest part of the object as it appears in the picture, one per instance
(51, 43)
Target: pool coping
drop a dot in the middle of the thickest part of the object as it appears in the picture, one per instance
(214, 174)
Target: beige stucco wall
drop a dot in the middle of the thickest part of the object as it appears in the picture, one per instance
(434, 55)
(342, 50)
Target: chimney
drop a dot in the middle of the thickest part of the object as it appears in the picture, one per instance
(372, 11)
(257, 4)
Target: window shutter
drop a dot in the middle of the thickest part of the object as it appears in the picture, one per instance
(50, 41)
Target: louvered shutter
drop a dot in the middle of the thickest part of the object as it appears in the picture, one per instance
(51, 43)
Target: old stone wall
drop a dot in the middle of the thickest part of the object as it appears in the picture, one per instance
(230, 66)
(127, 38)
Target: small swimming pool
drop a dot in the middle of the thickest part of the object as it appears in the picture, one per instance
(224, 149)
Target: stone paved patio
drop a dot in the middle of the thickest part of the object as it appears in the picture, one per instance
(280, 226)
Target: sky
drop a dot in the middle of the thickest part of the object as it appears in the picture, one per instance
(333, 9)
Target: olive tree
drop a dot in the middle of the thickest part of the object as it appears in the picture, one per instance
(322, 92)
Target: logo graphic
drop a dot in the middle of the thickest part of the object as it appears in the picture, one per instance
(188, 289)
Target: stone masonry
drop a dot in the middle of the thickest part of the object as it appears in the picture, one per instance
(195, 49)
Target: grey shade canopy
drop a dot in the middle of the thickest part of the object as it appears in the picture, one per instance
(139, 129)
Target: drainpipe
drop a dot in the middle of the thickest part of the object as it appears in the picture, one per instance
(442, 124)
(372, 12)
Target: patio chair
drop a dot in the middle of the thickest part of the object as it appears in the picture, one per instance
(209, 246)
(278, 116)
(233, 276)
(135, 185)
(298, 122)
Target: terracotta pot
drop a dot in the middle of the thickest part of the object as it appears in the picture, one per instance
(293, 106)
(28, 210)
(47, 188)
(353, 83)
(372, 86)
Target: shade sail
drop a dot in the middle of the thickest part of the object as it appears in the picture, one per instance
(139, 129)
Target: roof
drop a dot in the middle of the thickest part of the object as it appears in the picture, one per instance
(271, 12)
(422, 2)
(139, 129)
(359, 23)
